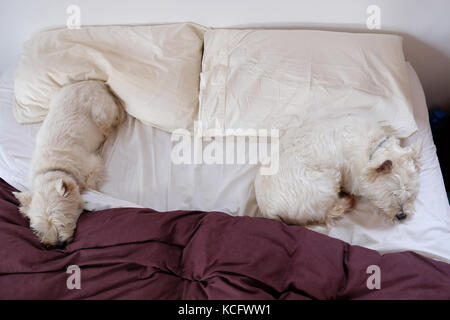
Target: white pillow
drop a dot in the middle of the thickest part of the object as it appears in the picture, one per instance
(262, 79)
(153, 69)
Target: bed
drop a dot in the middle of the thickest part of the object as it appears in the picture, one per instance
(196, 251)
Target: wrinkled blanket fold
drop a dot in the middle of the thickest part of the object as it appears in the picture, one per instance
(130, 253)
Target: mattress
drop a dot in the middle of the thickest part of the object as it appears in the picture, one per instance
(141, 174)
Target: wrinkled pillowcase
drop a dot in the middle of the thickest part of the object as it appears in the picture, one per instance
(262, 79)
(154, 70)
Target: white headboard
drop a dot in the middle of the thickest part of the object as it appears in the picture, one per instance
(424, 24)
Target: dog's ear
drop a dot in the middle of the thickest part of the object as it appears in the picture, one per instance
(377, 170)
(380, 169)
(64, 188)
(385, 167)
(25, 200)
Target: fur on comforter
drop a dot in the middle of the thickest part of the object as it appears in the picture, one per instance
(143, 254)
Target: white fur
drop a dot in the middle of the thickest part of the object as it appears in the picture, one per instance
(326, 164)
(65, 161)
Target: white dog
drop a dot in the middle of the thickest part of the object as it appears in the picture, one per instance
(327, 162)
(65, 161)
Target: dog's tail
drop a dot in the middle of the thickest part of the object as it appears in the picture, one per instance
(120, 104)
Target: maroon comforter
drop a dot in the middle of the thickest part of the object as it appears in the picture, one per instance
(144, 254)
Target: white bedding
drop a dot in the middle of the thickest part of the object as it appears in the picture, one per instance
(152, 69)
(278, 78)
(141, 173)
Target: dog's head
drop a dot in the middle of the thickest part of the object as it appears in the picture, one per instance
(53, 210)
(391, 179)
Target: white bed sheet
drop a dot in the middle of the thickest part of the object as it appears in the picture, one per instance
(141, 174)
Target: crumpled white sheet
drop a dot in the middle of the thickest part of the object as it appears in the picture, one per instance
(140, 173)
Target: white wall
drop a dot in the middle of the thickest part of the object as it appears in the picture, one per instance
(425, 24)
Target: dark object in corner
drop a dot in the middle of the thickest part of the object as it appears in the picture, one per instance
(440, 127)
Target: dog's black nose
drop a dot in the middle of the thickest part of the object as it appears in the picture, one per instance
(401, 216)
(61, 244)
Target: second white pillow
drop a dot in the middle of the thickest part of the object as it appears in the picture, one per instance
(262, 79)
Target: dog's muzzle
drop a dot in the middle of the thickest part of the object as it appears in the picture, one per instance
(61, 244)
(401, 216)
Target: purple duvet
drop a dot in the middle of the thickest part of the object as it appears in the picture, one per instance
(143, 254)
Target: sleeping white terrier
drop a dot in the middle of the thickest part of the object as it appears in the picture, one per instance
(66, 160)
(326, 163)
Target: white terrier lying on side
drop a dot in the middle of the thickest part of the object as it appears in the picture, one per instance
(65, 161)
(327, 162)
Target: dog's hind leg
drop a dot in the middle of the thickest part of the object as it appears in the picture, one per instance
(105, 117)
(327, 200)
(343, 204)
(95, 173)
(311, 198)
